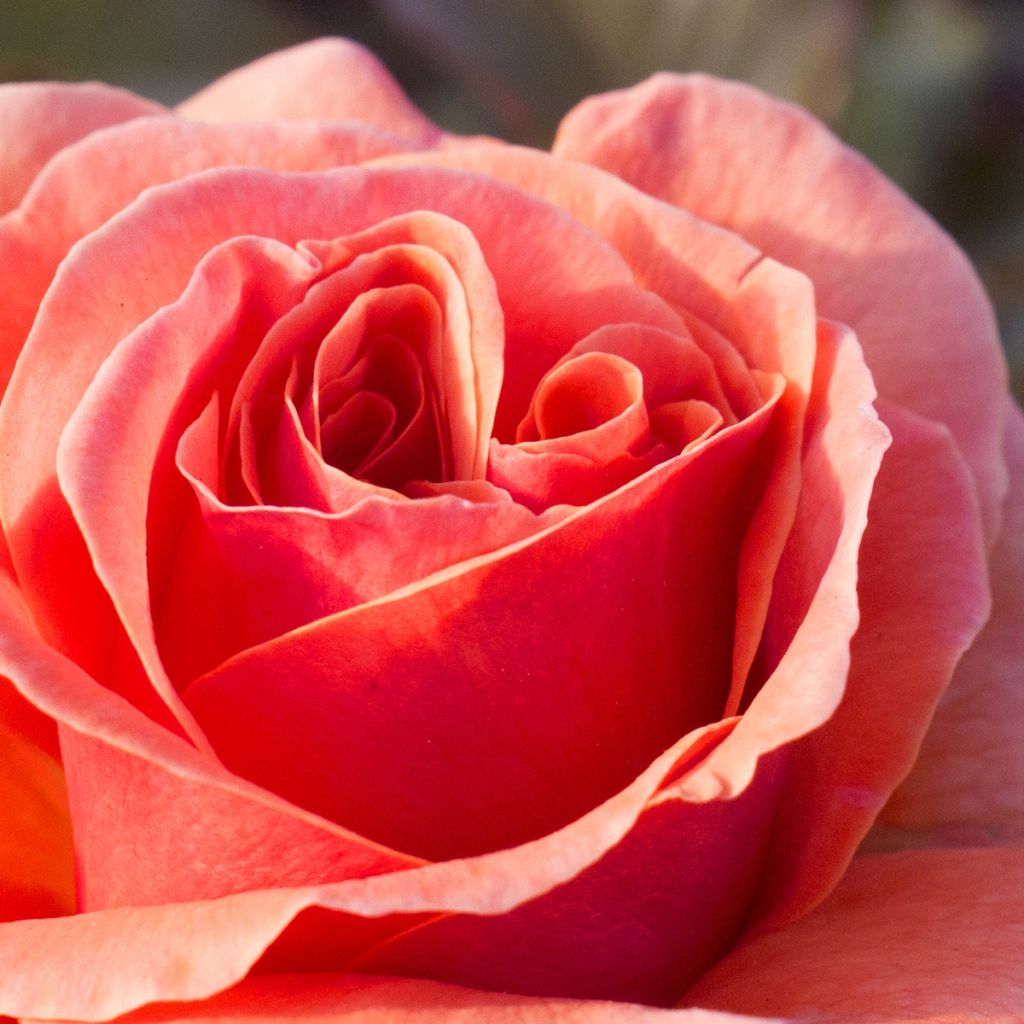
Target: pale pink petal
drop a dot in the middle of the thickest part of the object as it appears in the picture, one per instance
(772, 173)
(38, 119)
(967, 786)
(327, 79)
(341, 998)
(928, 937)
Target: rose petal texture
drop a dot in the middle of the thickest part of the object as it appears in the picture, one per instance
(39, 119)
(215, 832)
(775, 175)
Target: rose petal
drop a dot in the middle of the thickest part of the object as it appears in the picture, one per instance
(723, 287)
(324, 999)
(771, 172)
(159, 787)
(311, 565)
(36, 866)
(929, 936)
(967, 785)
(114, 961)
(585, 701)
(548, 301)
(108, 459)
(38, 119)
(37, 876)
(326, 79)
(86, 184)
(209, 946)
(922, 555)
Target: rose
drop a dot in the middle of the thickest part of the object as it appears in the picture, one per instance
(485, 690)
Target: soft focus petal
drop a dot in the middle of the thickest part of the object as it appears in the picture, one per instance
(927, 937)
(352, 999)
(36, 868)
(967, 786)
(38, 119)
(327, 79)
(775, 175)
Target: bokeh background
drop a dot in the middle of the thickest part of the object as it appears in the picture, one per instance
(931, 90)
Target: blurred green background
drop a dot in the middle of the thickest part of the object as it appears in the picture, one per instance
(931, 90)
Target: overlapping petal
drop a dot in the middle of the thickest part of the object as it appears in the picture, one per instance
(660, 561)
(772, 173)
(39, 119)
(325, 999)
(967, 785)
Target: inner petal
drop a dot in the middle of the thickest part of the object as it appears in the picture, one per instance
(357, 430)
(583, 393)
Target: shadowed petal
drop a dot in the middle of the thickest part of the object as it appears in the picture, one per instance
(926, 937)
(967, 786)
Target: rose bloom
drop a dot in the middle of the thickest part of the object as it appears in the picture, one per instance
(452, 581)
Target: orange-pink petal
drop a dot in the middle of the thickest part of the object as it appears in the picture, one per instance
(967, 785)
(326, 79)
(38, 119)
(358, 999)
(924, 937)
(771, 172)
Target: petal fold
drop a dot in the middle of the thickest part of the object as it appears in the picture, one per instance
(775, 175)
(967, 785)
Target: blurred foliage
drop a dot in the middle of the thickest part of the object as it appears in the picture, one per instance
(931, 90)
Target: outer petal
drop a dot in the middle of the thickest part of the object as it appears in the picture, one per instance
(113, 961)
(923, 556)
(911, 937)
(326, 998)
(38, 119)
(968, 783)
(328, 79)
(771, 172)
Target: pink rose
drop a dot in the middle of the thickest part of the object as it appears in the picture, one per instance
(474, 583)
